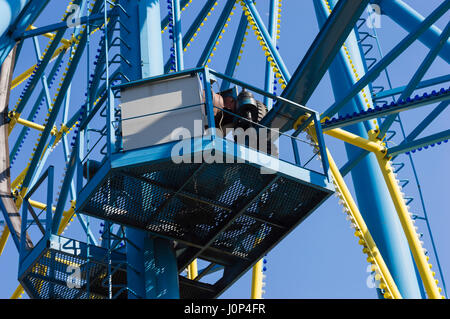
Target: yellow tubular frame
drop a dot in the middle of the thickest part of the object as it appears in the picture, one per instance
(375, 145)
(192, 270)
(430, 284)
(257, 280)
(356, 140)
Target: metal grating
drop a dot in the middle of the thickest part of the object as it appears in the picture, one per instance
(48, 277)
(184, 202)
(285, 202)
(229, 214)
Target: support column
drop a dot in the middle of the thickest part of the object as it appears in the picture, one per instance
(152, 268)
(10, 10)
(371, 192)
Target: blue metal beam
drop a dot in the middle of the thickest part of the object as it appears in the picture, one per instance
(233, 58)
(423, 68)
(424, 142)
(387, 109)
(165, 21)
(33, 112)
(193, 28)
(273, 17)
(319, 57)
(323, 50)
(268, 40)
(10, 11)
(56, 105)
(178, 36)
(61, 26)
(347, 167)
(373, 73)
(17, 15)
(421, 85)
(151, 264)
(216, 33)
(380, 216)
(427, 121)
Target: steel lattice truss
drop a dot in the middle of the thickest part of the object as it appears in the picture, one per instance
(45, 123)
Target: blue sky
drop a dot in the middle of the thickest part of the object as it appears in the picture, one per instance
(321, 258)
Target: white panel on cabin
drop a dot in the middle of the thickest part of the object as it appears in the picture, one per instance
(152, 111)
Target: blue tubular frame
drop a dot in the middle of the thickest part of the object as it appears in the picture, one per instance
(178, 36)
(146, 55)
(237, 44)
(216, 33)
(268, 40)
(420, 143)
(421, 85)
(62, 26)
(15, 8)
(43, 77)
(41, 66)
(273, 17)
(345, 169)
(427, 121)
(388, 109)
(49, 175)
(21, 19)
(388, 59)
(34, 165)
(380, 216)
(165, 21)
(35, 108)
(321, 53)
(206, 75)
(423, 68)
(193, 28)
(197, 22)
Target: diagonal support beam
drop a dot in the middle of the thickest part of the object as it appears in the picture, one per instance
(420, 143)
(423, 68)
(323, 50)
(388, 59)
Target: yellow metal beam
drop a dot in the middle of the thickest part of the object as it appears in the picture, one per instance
(4, 238)
(363, 232)
(39, 205)
(257, 280)
(49, 35)
(26, 123)
(430, 284)
(25, 75)
(193, 270)
(355, 140)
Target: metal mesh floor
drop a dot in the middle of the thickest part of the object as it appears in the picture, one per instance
(226, 213)
(50, 277)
